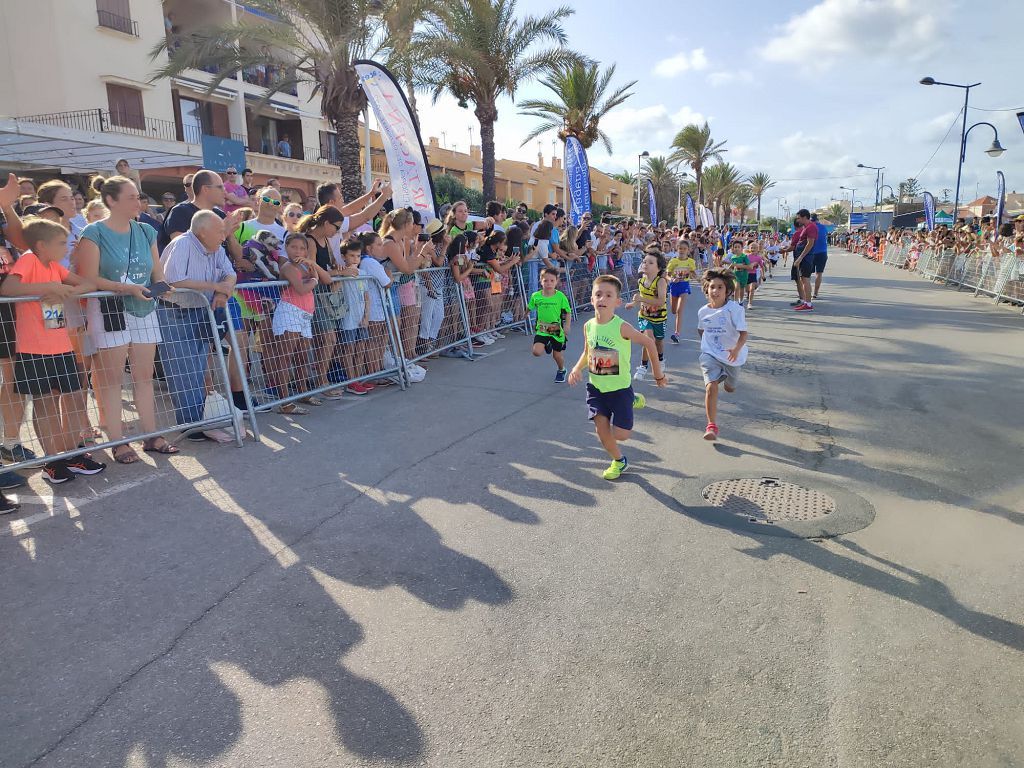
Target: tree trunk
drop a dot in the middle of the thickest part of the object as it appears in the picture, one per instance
(349, 149)
(698, 172)
(410, 92)
(758, 211)
(487, 114)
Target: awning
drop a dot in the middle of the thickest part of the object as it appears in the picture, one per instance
(77, 150)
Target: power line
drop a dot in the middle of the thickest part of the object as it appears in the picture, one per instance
(829, 178)
(1008, 109)
(928, 162)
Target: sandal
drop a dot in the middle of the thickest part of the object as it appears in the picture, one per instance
(152, 446)
(311, 400)
(125, 454)
(291, 409)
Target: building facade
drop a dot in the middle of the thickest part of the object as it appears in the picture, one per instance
(86, 99)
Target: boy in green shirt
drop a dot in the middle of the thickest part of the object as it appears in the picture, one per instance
(554, 316)
(740, 267)
(606, 354)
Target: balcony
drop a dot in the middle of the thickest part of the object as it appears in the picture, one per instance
(269, 76)
(115, 21)
(104, 121)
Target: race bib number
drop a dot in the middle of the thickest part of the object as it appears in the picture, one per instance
(551, 329)
(53, 315)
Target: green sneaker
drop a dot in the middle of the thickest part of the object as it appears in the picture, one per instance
(616, 468)
(639, 401)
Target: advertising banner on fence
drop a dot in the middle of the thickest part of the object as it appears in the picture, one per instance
(577, 179)
(652, 202)
(1000, 203)
(407, 159)
(929, 211)
(691, 211)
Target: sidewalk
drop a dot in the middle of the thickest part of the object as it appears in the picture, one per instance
(440, 577)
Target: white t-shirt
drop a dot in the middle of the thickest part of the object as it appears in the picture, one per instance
(339, 237)
(721, 329)
(370, 267)
(355, 298)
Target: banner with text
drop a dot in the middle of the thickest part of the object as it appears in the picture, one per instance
(577, 179)
(652, 202)
(706, 218)
(691, 211)
(929, 211)
(407, 159)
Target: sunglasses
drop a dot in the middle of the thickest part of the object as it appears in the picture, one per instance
(270, 201)
(293, 215)
(231, 173)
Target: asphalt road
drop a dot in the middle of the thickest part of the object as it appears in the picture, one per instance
(441, 577)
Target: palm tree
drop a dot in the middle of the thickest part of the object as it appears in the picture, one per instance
(479, 50)
(836, 213)
(318, 41)
(579, 105)
(625, 177)
(760, 183)
(742, 198)
(720, 182)
(694, 147)
(400, 17)
(665, 180)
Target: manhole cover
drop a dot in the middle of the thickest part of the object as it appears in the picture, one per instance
(795, 504)
(769, 500)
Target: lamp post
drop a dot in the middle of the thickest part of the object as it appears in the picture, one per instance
(878, 181)
(895, 207)
(639, 165)
(994, 151)
(853, 196)
(679, 196)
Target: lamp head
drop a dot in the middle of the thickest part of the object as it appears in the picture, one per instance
(861, 165)
(927, 81)
(996, 149)
(645, 153)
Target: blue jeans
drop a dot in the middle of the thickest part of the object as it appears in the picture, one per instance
(183, 354)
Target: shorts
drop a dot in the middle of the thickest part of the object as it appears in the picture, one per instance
(774, 260)
(7, 331)
(742, 278)
(820, 260)
(234, 311)
(323, 318)
(353, 335)
(752, 279)
(715, 370)
(794, 273)
(680, 288)
(137, 330)
(617, 406)
(602, 263)
(39, 375)
(807, 266)
(657, 326)
(408, 295)
(396, 303)
(551, 344)
(254, 302)
(290, 319)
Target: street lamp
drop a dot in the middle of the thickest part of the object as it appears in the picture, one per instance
(993, 151)
(879, 178)
(853, 196)
(639, 163)
(679, 195)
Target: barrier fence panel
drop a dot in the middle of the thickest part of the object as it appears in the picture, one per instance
(152, 374)
(580, 279)
(1009, 283)
(444, 328)
(291, 355)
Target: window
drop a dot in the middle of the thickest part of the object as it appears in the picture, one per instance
(126, 107)
(117, 14)
(551, 197)
(329, 147)
(529, 196)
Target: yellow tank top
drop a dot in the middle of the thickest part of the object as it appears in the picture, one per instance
(608, 358)
(650, 291)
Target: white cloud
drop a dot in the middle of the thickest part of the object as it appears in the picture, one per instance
(681, 62)
(727, 77)
(837, 29)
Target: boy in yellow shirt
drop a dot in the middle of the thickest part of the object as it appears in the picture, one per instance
(680, 269)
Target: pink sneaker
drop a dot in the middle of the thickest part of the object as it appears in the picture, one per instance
(711, 432)
(804, 307)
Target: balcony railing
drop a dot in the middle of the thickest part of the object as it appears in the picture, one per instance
(103, 121)
(112, 20)
(268, 76)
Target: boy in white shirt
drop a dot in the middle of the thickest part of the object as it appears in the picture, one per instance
(722, 326)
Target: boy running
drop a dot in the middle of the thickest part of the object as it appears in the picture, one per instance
(680, 269)
(554, 316)
(722, 326)
(740, 266)
(651, 295)
(606, 355)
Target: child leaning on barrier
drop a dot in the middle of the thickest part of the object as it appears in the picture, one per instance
(45, 365)
(354, 327)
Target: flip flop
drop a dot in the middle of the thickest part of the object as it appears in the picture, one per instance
(291, 409)
(164, 447)
(125, 454)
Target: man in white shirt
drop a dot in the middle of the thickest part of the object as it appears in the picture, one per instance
(358, 212)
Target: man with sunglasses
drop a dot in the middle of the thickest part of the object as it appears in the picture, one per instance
(207, 195)
(268, 210)
(235, 194)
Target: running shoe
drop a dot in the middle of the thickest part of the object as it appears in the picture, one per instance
(333, 394)
(487, 340)
(57, 472)
(85, 465)
(7, 506)
(616, 468)
(16, 453)
(639, 401)
(711, 432)
(560, 376)
(640, 374)
(804, 308)
(674, 338)
(498, 334)
(10, 479)
(478, 343)
(356, 389)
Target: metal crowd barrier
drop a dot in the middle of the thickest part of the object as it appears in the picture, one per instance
(187, 390)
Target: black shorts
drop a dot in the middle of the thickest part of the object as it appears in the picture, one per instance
(794, 273)
(807, 266)
(551, 344)
(617, 406)
(39, 375)
(7, 335)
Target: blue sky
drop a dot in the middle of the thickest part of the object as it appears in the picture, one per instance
(802, 90)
